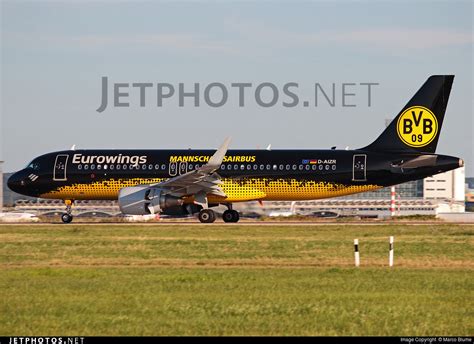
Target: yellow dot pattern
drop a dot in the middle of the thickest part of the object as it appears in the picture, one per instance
(100, 190)
(288, 189)
(245, 189)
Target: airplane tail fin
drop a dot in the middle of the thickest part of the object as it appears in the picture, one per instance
(418, 125)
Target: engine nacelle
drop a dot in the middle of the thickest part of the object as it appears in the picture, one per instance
(143, 200)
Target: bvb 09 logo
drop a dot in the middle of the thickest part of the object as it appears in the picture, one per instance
(417, 126)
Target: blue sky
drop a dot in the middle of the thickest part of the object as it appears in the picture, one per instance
(55, 53)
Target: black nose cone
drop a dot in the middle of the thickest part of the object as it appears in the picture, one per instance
(14, 182)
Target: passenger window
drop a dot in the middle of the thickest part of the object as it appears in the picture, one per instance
(86, 167)
(288, 167)
(92, 167)
(294, 167)
(262, 167)
(308, 167)
(268, 167)
(79, 167)
(300, 167)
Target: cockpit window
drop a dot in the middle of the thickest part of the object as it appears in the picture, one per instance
(34, 165)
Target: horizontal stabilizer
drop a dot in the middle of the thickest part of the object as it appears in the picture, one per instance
(419, 161)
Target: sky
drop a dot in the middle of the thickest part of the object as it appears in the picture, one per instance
(54, 55)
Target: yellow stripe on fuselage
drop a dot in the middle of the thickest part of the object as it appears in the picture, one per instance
(236, 190)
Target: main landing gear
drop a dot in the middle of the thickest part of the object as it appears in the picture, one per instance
(209, 216)
(230, 215)
(67, 216)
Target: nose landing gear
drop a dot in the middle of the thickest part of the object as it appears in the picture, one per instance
(67, 216)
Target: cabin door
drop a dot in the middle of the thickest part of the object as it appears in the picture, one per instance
(359, 172)
(60, 166)
(183, 167)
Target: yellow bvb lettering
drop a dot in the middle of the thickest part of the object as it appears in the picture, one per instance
(417, 126)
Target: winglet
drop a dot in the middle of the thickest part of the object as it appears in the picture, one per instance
(216, 160)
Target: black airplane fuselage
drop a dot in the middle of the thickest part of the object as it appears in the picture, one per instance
(246, 174)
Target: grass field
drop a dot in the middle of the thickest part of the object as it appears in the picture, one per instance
(236, 280)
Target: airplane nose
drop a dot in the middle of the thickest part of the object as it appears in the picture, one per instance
(15, 182)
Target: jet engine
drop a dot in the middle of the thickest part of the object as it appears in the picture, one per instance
(143, 200)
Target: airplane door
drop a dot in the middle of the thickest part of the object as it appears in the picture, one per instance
(183, 167)
(60, 166)
(359, 167)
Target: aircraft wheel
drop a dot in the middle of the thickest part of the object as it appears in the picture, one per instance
(207, 216)
(235, 216)
(228, 216)
(66, 218)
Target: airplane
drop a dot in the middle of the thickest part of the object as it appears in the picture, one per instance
(147, 182)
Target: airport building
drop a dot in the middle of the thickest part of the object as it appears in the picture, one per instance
(448, 185)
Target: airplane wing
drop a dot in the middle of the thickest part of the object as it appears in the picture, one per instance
(199, 182)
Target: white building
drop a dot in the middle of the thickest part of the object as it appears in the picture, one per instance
(448, 186)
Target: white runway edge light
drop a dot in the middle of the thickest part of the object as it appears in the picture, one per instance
(356, 252)
(390, 252)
